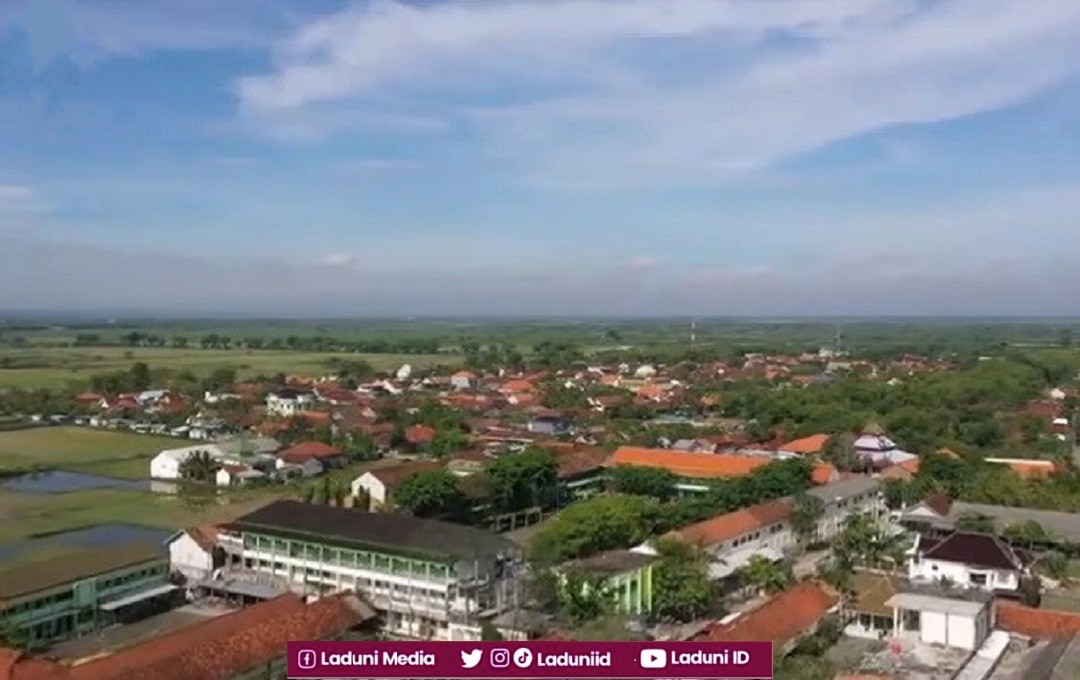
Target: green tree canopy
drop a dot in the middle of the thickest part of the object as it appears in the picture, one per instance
(429, 493)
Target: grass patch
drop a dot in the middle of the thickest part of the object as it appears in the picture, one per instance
(61, 367)
(80, 448)
(26, 515)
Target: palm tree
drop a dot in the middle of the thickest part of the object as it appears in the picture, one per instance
(764, 575)
(199, 467)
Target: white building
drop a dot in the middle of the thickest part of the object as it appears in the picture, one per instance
(193, 553)
(287, 402)
(847, 497)
(462, 380)
(960, 624)
(765, 530)
(428, 579)
(966, 560)
(881, 451)
(166, 464)
(378, 485)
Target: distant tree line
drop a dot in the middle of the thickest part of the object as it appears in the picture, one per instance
(292, 343)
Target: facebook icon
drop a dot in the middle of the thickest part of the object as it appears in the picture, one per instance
(306, 659)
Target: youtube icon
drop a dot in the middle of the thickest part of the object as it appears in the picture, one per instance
(653, 658)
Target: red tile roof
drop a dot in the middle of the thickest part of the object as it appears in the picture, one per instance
(686, 464)
(824, 473)
(419, 434)
(1036, 623)
(224, 647)
(205, 536)
(396, 474)
(517, 386)
(812, 445)
(735, 524)
(781, 619)
(579, 461)
(308, 450)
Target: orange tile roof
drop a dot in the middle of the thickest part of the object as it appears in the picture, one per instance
(1037, 623)
(579, 461)
(515, 386)
(824, 473)
(205, 536)
(227, 646)
(306, 450)
(1032, 469)
(419, 434)
(781, 619)
(686, 464)
(807, 446)
(734, 524)
(396, 474)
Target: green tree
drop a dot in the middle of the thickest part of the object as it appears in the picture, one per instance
(584, 597)
(974, 521)
(864, 542)
(139, 378)
(526, 479)
(682, 589)
(1027, 533)
(1056, 566)
(597, 524)
(199, 467)
(642, 481)
(806, 514)
(764, 575)
(430, 493)
(490, 633)
(840, 451)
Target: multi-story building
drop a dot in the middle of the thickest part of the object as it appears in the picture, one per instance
(427, 579)
(856, 495)
(71, 595)
(288, 402)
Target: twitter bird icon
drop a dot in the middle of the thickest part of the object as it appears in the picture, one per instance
(470, 659)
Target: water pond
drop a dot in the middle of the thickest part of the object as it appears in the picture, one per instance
(65, 481)
(95, 536)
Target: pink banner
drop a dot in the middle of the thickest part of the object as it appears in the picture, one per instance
(520, 660)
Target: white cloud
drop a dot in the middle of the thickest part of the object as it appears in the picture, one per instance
(600, 93)
(88, 30)
(13, 193)
(337, 259)
(377, 165)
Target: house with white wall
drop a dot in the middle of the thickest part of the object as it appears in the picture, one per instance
(288, 402)
(378, 485)
(967, 560)
(166, 464)
(194, 553)
(945, 621)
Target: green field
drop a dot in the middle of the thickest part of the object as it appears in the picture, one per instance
(114, 454)
(60, 367)
(118, 454)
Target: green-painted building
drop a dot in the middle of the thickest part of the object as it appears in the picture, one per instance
(627, 575)
(55, 599)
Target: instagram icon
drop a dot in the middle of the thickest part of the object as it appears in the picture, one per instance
(306, 659)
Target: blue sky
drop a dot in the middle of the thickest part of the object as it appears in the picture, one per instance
(541, 156)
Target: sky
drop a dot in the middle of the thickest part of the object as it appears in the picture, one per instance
(526, 157)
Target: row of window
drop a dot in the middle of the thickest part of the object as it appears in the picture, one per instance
(363, 584)
(131, 577)
(343, 557)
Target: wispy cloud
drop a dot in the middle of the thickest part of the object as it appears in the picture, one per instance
(591, 93)
(379, 165)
